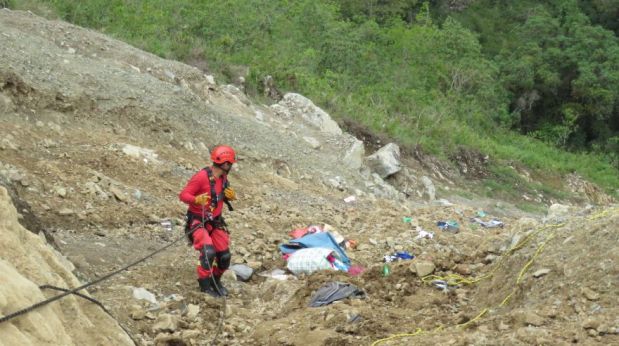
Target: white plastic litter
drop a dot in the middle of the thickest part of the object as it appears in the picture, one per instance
(142, 293)
(424, 234)
(277, 274)
(350, 199)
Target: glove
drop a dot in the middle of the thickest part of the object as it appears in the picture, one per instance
(229, 193)
(202, 199)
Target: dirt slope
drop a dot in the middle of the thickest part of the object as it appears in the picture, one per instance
(97, 138)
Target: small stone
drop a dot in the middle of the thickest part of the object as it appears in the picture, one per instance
(138, 315)
(66, 212)
(533, 319)
(490, 258)
(192, 311)
(166, 323)
(591, 323)
(541, 272)
(424, 268)
(119, 194)
(590, 294)
(463, 269)
(504, 326)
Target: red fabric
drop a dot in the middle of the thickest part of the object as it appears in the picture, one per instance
(216, 237)
(197, 185)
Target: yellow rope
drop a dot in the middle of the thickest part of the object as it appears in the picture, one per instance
(465, 324)
(504, 302)
(417, 332)
(537, 252)
(455, 279)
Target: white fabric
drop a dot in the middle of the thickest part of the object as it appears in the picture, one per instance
(306, 261)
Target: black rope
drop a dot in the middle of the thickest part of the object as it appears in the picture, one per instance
(109, 275)
(93, 300)
(86, 285)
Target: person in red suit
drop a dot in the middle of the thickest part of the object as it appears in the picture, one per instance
(205, 193)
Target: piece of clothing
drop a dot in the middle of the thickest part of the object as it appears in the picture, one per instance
(219, 239)
(332, 291)
(449, 226)
(199, 184)
(322, 239)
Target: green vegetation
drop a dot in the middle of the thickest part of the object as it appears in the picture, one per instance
(533, 82)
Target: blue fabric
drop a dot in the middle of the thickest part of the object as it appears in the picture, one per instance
(321, 239)
(404, 255)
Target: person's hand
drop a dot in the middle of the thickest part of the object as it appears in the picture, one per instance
(230, 194)
(202, 199)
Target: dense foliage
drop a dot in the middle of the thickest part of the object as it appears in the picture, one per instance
(440, 74)
(561, 70)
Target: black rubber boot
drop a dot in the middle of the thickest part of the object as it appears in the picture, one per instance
(222, 290)
(206, 286)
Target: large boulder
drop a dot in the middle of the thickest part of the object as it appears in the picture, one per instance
(353, 158)
(300, 106)
(385, 161)
(26, 262)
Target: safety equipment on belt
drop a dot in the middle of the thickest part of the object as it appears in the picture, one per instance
(223, 153)
(229, 193)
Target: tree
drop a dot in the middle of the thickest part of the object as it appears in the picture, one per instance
(563, 79)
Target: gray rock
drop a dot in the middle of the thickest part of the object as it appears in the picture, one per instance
(299, 105)
(354, 155)
(430, 190)
(385, 161)
(243, 272)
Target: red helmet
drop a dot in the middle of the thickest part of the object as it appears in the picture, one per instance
(223, 153)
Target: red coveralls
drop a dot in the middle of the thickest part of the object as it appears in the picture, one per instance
(218, 238)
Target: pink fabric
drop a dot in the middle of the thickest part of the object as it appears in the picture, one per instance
(298, 233)
(355, 270)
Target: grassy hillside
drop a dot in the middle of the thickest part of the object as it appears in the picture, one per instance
(402, 74)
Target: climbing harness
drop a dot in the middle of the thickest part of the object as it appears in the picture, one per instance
(215, 198)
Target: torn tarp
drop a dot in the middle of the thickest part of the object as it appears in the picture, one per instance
(332, 291)
(322, 239)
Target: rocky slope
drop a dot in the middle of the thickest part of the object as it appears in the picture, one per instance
(97, 139)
